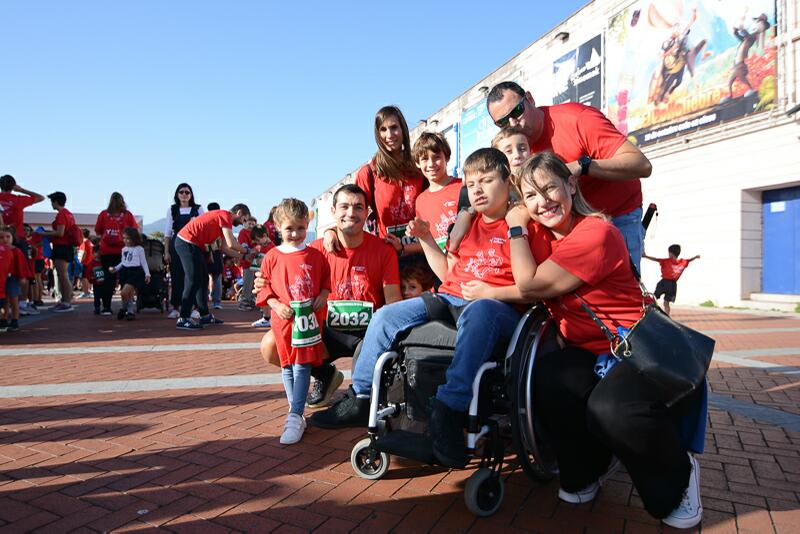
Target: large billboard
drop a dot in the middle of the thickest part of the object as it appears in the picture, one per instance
(451, 136)
(673, 66)
(578, 76)
(477, 130)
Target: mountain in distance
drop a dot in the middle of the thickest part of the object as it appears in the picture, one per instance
(155, 226)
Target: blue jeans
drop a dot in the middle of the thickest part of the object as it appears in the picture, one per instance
(481, 325)
(216, 289)
(296, 379)
(630, 226)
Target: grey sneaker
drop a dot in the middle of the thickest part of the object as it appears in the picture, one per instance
(323, 389)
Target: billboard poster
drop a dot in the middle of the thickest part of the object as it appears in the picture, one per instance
(673, 66)
(578, 76)
(477, 130)
(451, 136)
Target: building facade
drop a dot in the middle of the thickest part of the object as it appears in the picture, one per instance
(709, 91)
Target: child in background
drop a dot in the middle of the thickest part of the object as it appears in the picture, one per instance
(246, 297)
(261, 245)
(671, 269)
(85, 257)
(96, 275)
(415, 280)
(230, 273)
(17, 270)
(297, 284)
(133, 272)
(6, 258)
(36, 266)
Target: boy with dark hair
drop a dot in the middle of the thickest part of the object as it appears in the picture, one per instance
(671, 269)
(85, 256)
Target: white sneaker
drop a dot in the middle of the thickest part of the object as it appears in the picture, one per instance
(261, 323)
(293, 429)
(690, 511)
(195, 315)
(588, 493)
(174, 314)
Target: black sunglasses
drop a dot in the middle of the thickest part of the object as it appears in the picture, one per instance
(515, 114)
(184, 192)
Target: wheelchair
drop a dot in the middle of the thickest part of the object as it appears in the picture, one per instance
(501, 416)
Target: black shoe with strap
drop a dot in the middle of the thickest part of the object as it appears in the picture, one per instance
(446, 428)
(348, 412)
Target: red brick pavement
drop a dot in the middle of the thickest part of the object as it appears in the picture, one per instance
(209, 459)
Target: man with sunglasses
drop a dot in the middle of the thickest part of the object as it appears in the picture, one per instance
(608, 166)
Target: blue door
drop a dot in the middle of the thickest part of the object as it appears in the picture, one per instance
(781, 209)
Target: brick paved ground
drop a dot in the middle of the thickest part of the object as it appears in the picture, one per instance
(208, 459)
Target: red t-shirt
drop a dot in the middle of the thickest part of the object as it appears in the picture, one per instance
(573, 130)
(88, 252)
(245, 239)
(484, 255)
(35, 246)
(109, 227)
(595, 252)
(19, 265)
(361, 273)
(12, 207)
(206, 228)
(63, 218)
(6, 259)
(394, 201)
(672, 269)
(289, 276)
(439, 209)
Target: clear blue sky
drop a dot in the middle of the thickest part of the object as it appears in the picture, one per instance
(246, 100)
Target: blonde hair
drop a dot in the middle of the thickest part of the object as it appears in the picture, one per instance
(549, 162)
(505, 133)
(290, 209)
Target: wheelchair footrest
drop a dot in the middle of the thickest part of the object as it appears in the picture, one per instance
(407, 444)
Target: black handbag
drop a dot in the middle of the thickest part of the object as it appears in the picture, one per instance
(671, 356)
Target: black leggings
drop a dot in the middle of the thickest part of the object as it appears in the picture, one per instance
(590, 419)
(176, 275)
(109, 278)
(195, 280)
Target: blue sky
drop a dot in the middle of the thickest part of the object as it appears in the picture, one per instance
(246, 100)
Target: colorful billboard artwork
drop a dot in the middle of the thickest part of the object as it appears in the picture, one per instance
(477, 130)
(578, 75)
(673, 66)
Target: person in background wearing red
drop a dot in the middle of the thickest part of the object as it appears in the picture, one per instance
(109, 227)
(6, 258)
(86, 257)
(37, 268)
(13, 200)
(261, 245)
(247, 300)
(671, 269)
(392, 183)
(191, 245)
(61, 238)
(18, 270)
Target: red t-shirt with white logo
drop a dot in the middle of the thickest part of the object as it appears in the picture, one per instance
(88, 252)
(573, 130)
(206, 228)
(109, 227)
(245, 239)
(439, 209)
(672, 269)
(12, 207)
(484, 255)
(394, 201)
(361, 273)
(595, 252)
(288, 276)
(63, 218)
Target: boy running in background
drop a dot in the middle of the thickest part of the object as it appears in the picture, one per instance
(671, 269)
(297, 286)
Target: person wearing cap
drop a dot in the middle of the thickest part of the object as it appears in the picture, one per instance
(607, 165)
(63, 252)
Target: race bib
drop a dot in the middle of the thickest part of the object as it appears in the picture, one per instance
(255, 265)
(305, 328)
(399, 231)
(99, 275)
(349, 314)
(442, 242)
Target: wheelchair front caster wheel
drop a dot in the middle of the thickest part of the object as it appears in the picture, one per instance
(484, 492)
(367, 462)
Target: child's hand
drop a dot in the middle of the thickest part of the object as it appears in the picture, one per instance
(147, 279)
(283, 311)
(474, 290)
(518, 216)
(259, 282)
(394, 241)
(112, 269)
(418, 228)
(320, 302)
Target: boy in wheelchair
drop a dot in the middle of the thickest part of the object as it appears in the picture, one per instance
(480, 291)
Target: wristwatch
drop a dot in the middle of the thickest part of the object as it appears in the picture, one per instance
(517, 231)
(585, 161)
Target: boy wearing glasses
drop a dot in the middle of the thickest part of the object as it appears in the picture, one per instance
(608, 165)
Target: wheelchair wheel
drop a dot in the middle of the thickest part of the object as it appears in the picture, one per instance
(484, 492)
(367, 462)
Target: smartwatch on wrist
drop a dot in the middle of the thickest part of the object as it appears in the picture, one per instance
(517, 231)
(585, 161)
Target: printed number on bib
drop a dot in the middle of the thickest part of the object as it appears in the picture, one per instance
(349, 314)
(305, 327)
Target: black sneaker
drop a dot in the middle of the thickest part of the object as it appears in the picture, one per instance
(349, 411)
(130, 316)
(13, 325)
(38, 303)
(106, 311)
(446, 428)
(3, 325)
(97, 311)
(324, 386)
(121, 314)
(187, 324)
(210, 319)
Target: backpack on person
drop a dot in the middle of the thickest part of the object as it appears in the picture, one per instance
(74, 235)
